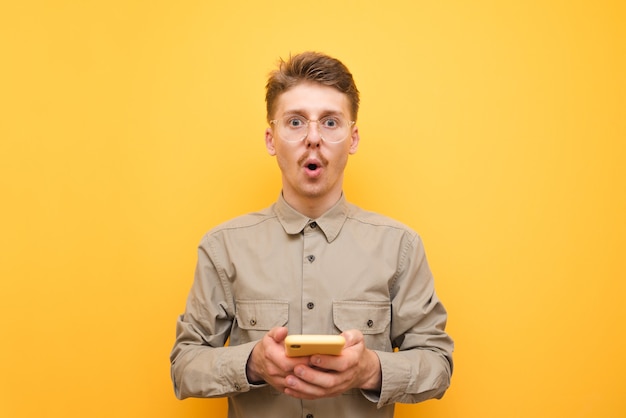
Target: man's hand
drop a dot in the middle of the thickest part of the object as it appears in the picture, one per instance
(328, 376)
(268, 362)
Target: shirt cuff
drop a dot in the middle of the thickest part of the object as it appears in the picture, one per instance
(233, 365)
(396, 376)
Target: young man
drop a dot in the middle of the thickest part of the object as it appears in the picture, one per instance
(312, 263)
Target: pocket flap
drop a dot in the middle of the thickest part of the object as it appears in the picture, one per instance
(261, 314)
(367, 317)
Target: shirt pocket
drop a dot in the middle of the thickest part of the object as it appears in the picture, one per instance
(373, 319)
(255, 317)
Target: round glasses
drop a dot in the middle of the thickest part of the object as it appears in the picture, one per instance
(332, 129)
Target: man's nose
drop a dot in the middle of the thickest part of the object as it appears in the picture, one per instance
(313, 137)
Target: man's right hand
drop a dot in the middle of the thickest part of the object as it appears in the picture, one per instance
(268, 362)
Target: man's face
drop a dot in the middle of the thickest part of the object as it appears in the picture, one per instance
(312, 169)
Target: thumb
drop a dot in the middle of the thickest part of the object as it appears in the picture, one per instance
(353, 337)
(278, 334)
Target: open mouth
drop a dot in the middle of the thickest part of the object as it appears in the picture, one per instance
(312, 166)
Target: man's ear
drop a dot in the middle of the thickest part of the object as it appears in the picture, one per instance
(269, 142)
(355, 140)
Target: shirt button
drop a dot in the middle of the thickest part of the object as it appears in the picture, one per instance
(313, 225)
(237, 387)
(310, 305)
(370, 323)
(253, 322)
(311, 258)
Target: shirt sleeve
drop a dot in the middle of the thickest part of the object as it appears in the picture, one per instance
(201, 366)
(421, 367)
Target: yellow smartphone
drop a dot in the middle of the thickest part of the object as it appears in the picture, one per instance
(306, 345)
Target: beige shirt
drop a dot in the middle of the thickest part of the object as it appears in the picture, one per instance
(349, 269)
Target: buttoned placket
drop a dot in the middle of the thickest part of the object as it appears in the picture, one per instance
(313, 238)
(312, 313)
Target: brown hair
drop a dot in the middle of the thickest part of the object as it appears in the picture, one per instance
(313, 67)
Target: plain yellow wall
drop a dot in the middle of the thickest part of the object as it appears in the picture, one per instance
(496, 129)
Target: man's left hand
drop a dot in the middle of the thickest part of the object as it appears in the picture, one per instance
(329, 376)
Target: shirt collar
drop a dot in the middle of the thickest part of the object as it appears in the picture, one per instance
(330, 222)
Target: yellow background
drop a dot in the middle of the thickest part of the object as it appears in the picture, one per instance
(496, 129)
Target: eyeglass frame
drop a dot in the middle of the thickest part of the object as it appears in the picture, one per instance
(308, 122)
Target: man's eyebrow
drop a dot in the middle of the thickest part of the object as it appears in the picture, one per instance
(302, 112)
